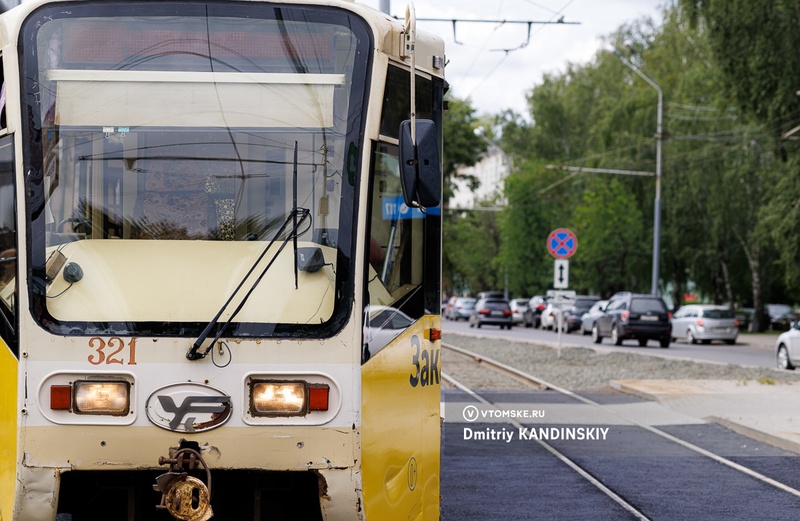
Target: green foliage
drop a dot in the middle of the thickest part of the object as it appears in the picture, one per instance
(462, 147)
(473, 245)
(755, 44)
(781, 220)
(610, 231)
(526, 222)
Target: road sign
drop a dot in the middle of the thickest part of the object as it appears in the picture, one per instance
(562, 243)
(561, 274)
(562, 296)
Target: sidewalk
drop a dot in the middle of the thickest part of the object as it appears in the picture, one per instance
(763, 411)
(764, 340)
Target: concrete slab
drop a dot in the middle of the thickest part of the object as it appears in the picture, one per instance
(764, 411)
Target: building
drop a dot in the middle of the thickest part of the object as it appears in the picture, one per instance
(491, 171)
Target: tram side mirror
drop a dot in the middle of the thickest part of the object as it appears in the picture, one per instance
(420, 172)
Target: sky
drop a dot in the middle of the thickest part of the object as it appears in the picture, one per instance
(495, 80)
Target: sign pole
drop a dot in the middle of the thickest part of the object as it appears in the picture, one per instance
(561, 244)
(560, 315)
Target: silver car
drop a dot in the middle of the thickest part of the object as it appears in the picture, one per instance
(518, 308)
(704, 323)
(588, 318)
(462, 308)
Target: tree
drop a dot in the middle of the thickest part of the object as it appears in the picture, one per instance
(473, 246)
(755, 44)
(462, 147)
(608, 223)
(525, 222)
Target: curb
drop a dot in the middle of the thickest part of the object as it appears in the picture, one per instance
(771, 439)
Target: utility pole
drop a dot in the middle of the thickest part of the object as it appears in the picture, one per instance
(386, 6)
(657, 203)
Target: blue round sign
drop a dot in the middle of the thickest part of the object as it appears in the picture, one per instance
(562, 243)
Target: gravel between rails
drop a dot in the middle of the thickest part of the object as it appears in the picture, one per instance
(582, 368)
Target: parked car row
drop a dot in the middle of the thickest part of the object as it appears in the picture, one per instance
(626, 315)
(490, 308)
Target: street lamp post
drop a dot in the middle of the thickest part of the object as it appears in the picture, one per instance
(657, 203)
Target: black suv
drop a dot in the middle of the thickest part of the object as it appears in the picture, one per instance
(629, 315)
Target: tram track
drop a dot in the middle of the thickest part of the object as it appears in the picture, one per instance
(535, 383)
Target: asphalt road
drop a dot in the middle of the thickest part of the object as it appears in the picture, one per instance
(755, 350)
(487, 480)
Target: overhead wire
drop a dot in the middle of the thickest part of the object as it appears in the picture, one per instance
(507, 51)
(694, 156)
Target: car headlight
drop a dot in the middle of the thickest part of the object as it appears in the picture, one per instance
(112, 398)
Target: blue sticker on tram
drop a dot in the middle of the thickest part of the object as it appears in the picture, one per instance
(395, 208)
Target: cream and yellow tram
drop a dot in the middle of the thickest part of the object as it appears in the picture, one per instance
(219, 262)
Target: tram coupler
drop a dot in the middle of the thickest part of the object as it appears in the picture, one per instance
(185, 497)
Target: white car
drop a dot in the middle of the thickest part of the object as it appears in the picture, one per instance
(787, 347)
(549, 317)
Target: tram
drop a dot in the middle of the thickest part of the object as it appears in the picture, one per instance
(220, 246)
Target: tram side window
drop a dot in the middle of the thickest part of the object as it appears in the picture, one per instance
(403, 251)
(395, 255)
(8, 240)
(8, 226)
(397, 100)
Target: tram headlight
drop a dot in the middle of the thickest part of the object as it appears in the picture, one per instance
(278, 398)
(112, 398)
(281, 398)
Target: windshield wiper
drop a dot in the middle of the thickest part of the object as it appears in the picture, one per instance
(194, 353)
(303, 213)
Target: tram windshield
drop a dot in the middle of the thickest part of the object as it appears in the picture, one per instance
(171, 147)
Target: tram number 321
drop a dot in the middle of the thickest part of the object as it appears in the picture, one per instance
(426, 365)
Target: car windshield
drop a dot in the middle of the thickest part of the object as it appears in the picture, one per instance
(644, 305)
(173, 157)
(585, 302)
(718, 313)
(466, 302)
